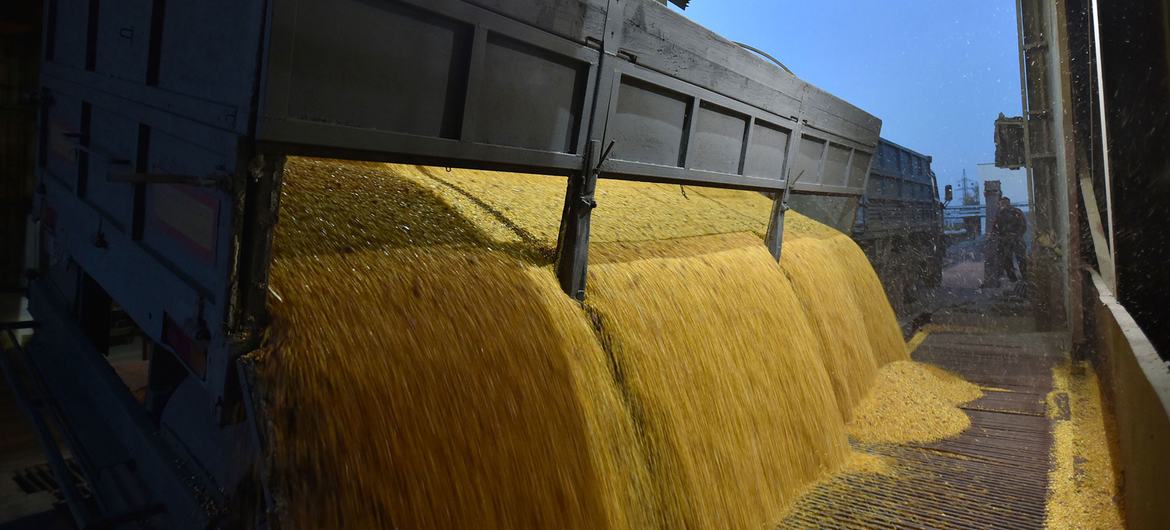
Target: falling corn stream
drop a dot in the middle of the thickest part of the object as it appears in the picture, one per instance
(424, 371)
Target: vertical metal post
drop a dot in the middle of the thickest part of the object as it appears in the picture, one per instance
(573, 242)
(1024, 101)
(1044, 129)
(774, 238)
(261, 199)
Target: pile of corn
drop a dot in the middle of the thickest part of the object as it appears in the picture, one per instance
(425, 371)
(912, 402)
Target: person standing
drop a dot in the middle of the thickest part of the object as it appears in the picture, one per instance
(1008, 231)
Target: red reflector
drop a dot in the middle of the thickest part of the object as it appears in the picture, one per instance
(188, 215)
(192, 354)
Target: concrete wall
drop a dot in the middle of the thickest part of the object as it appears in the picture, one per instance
(1136, 60)
(1136, 383)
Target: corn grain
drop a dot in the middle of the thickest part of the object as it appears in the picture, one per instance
(425, 371)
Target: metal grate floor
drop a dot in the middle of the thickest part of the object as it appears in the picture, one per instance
(39, 478)
(993, 475)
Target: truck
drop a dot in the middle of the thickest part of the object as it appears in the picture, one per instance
(161, 134)
(899, 225)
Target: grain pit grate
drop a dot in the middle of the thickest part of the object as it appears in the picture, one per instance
(993, 475)
(39, 479)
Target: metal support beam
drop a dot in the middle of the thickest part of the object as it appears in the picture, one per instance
(1044, 95)
(1024, 100)
(573, 242)
(261, 199)
(774, 238)
(1065, 147)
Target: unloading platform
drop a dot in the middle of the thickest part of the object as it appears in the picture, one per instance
(993, 475)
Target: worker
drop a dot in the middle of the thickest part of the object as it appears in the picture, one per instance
(1008, 233)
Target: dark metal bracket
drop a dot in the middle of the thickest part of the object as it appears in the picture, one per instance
(774, 238)
(573, 242)
(572, 260)
(261, 207)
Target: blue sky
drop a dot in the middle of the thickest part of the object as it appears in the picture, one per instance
(936, 72)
